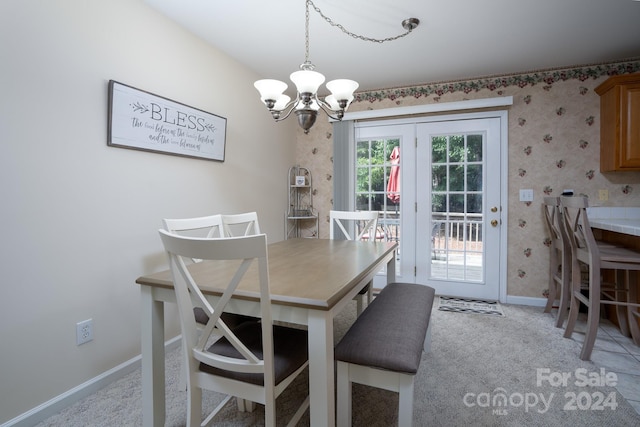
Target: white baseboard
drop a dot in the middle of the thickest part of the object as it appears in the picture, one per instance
(58, 403)
(532, 301)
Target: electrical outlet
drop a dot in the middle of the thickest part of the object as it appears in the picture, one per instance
(603, 195)
(526, 195)
(84, 331)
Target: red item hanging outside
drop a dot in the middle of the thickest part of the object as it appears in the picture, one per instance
(393, 186)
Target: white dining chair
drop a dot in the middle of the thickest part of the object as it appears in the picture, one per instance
(206, 226)
(255, 361)
(355, 225)
(242, 224)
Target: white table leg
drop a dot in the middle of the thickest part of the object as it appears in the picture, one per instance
(153, 383)
(321, 375)
(391, 269)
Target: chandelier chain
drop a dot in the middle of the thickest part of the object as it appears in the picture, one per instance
(306, 35)
(347, 32)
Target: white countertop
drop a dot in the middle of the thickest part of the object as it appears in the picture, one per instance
(620, 220)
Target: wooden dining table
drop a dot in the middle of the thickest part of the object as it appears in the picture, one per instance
(311, 281)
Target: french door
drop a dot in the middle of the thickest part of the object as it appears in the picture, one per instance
(459, 207)
(447, 213)
(381, 184)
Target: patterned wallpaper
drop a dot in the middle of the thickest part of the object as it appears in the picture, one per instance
(554, 144)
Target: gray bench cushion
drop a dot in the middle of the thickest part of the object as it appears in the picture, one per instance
(390, 333)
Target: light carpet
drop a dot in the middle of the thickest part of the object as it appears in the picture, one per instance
(463, 305)
(473, 363)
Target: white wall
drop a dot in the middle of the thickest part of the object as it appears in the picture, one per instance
(79, 218)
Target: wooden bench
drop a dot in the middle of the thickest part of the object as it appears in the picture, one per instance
(384, 346)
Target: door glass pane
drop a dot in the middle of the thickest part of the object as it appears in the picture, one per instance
(456, 208)
(474, 177)
(377, 152)
(456, 178)
(439, 174)
(378, 179)
(438, 202)
(439, 150)
(456, 148)
(474, 148)
(456, 203)
(362, 202)
(474, 203)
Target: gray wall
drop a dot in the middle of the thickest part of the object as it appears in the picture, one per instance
(80, 218)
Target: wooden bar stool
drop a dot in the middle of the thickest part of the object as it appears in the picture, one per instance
(559, 260)
(586, 251)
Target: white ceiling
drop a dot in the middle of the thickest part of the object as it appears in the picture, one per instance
(456, 39)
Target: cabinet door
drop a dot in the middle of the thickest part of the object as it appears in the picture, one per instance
(620, 123)
(630, 127)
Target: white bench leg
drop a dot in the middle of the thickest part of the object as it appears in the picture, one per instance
(343, 388)
(405, 405)
(427, 339)
(359, 304)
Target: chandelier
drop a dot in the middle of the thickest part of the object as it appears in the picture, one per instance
(307, 103)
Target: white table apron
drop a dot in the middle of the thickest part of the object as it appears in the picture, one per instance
(321, 358)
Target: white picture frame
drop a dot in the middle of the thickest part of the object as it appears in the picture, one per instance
(143, 121)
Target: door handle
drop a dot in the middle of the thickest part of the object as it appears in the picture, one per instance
(494, 209)
(494, 222)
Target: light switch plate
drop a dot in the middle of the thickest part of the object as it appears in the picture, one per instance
(526, 195)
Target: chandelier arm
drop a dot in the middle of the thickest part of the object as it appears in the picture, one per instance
(328, 110)
(409, 25)
(291, 106)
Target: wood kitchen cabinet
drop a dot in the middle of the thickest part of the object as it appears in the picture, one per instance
(620, 123)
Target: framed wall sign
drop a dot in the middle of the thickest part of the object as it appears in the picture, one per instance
(143, 121)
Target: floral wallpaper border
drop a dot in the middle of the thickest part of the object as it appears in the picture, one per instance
(493, 83)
